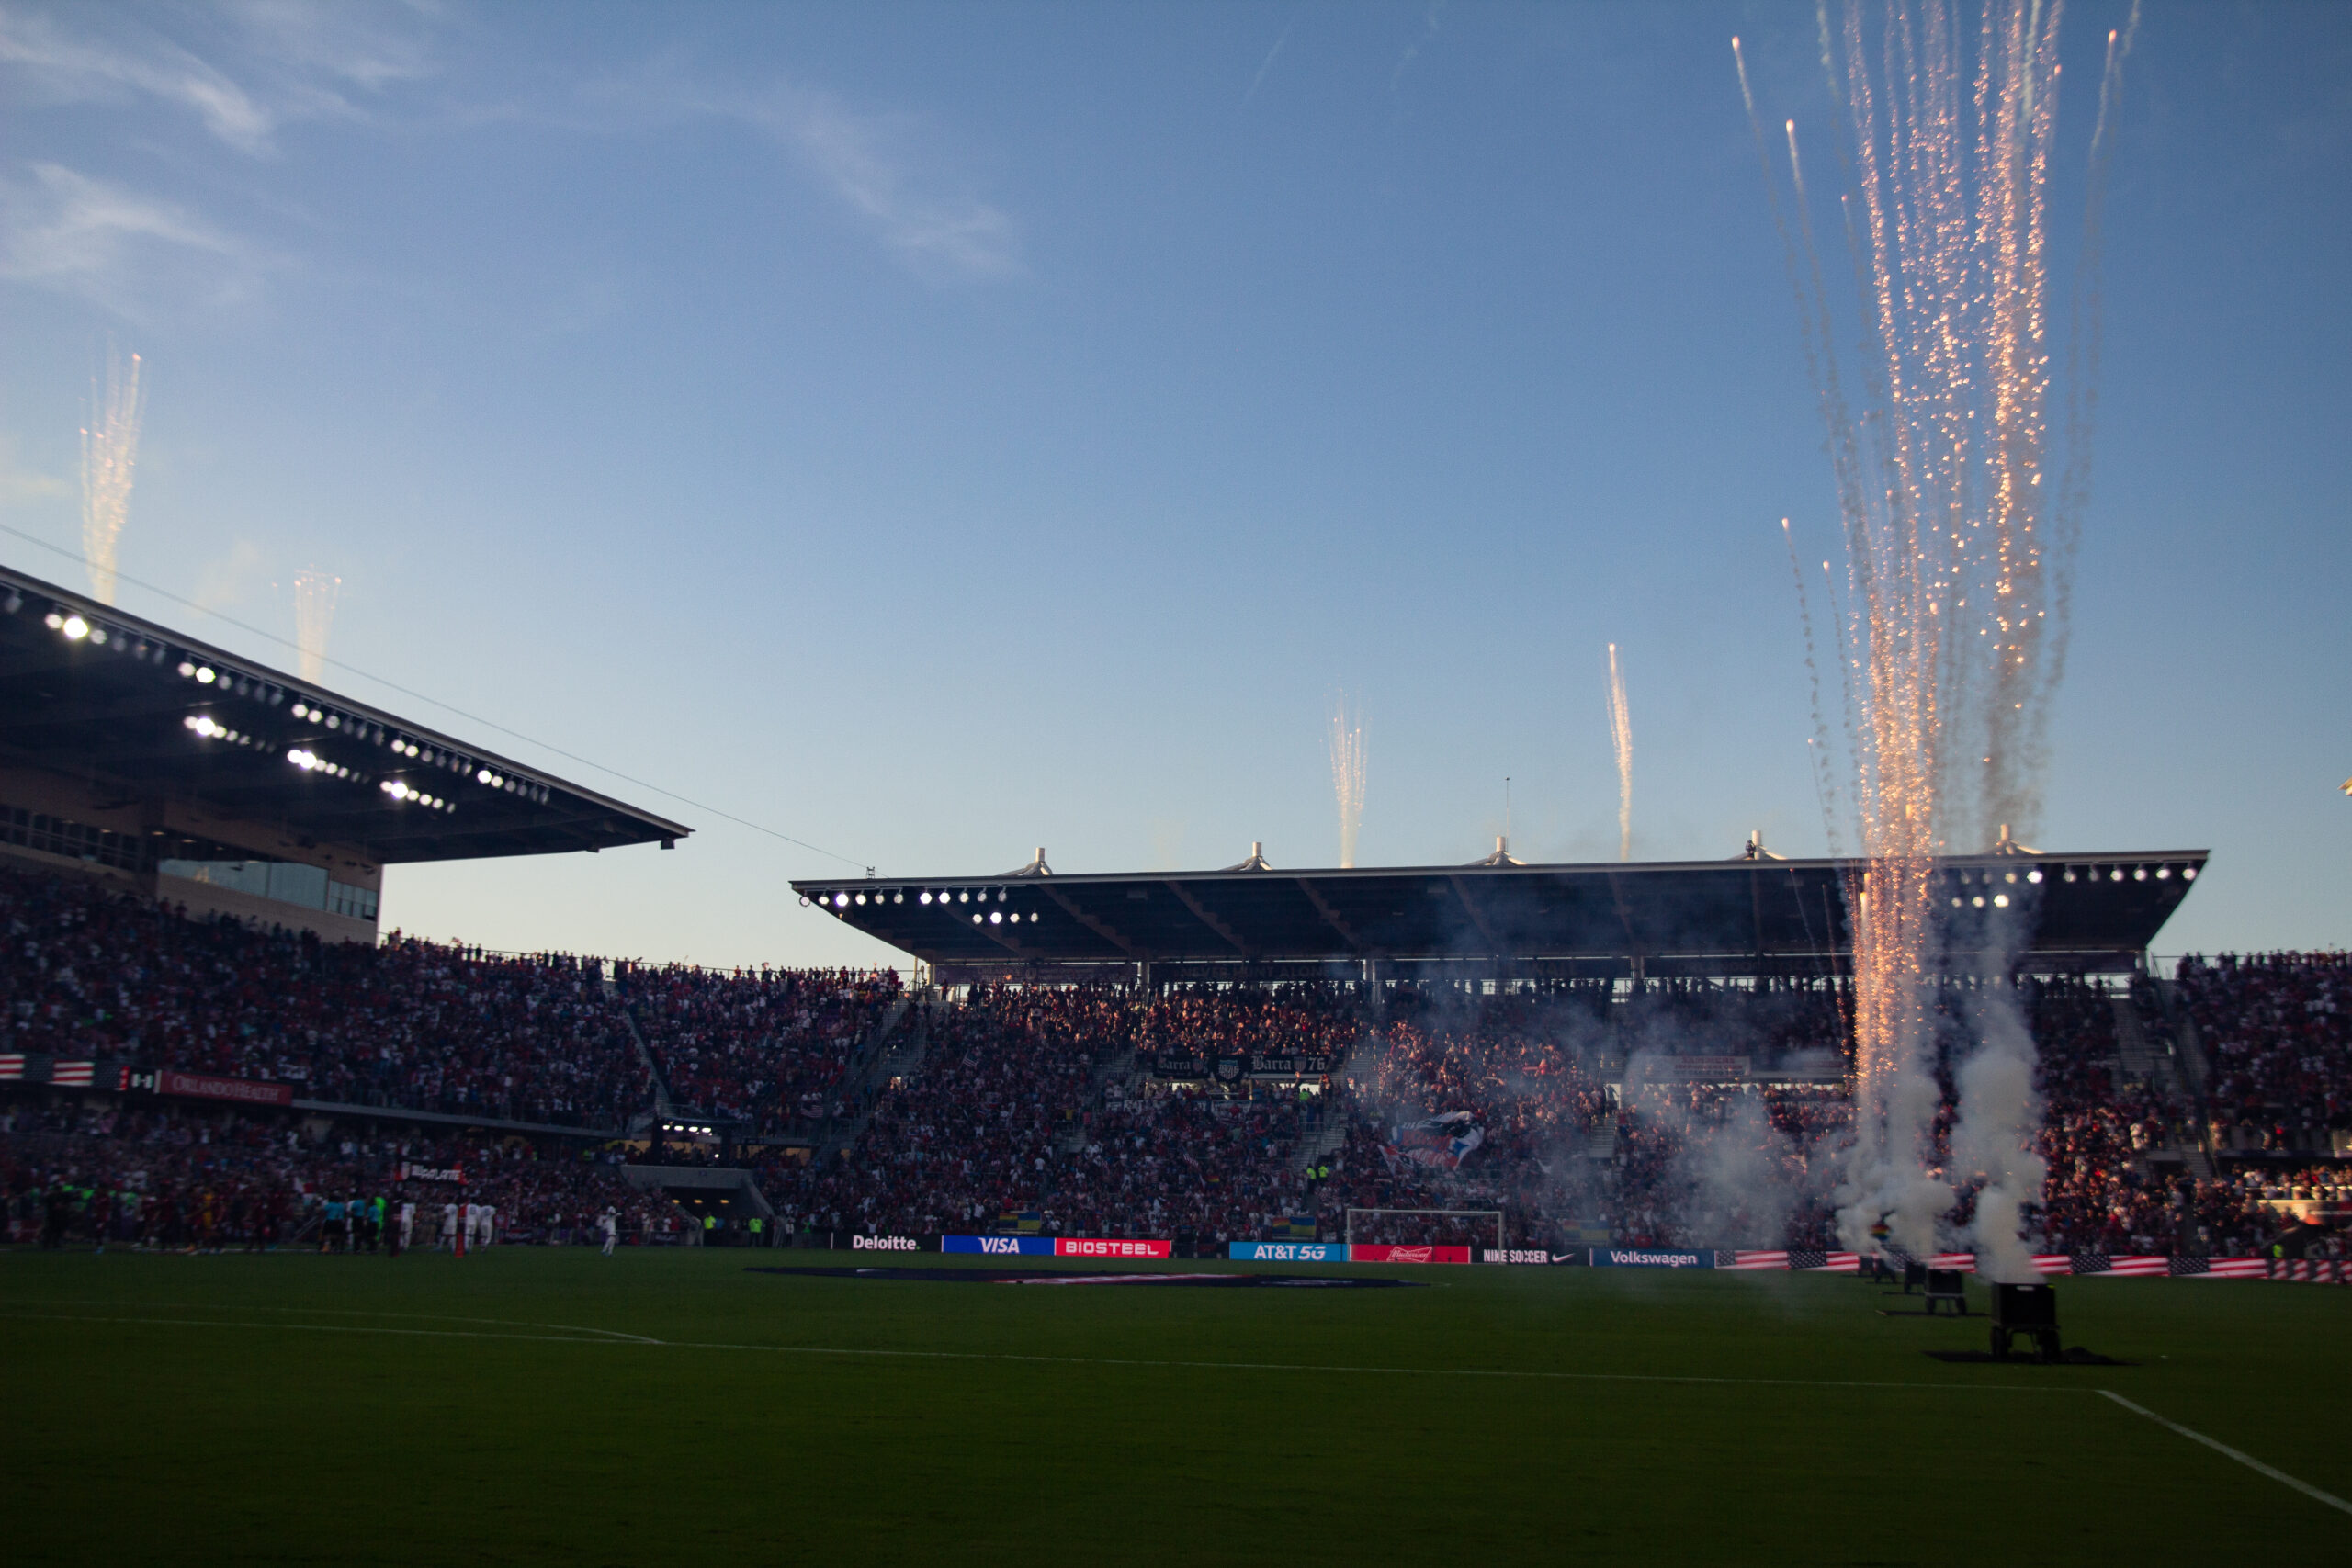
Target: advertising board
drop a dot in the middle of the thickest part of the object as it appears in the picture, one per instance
(1372, 1252)
(1101, 1246)
(1515, 1254)
(1000, 1246)
(1289, 1251)
(851, 1241)
(1650, 1257)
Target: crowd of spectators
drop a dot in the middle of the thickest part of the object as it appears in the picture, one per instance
(1580, 1112)
(2276, 1029)
(765, 1048)
(86, 971)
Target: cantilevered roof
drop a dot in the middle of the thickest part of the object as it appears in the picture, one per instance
(127, 706)
(1757, 916)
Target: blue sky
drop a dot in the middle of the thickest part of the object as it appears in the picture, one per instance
(935, 430)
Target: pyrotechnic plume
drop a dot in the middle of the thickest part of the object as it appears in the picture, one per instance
(1956, 548)
(1347, 778)
(1620, 735)
(110, 452)
(315, 593)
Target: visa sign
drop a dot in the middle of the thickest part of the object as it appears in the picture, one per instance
(1000, 1246)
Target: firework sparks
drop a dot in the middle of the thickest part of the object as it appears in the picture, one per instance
(1952, 632)
(1347, 778)
(315, 594)
(109, 453)
(1620, 735)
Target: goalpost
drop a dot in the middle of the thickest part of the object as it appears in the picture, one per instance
(1370, 1218)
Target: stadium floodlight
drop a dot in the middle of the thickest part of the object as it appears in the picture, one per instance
(2033, 877)
(841, 900)
(2139, 874)
(2188, 874)
(924, 896)
(2163, 873)
(976, 920)
(1978, 900)
(53, 621)
(2116, 876)
(2000, 900)
(996, 916)
(75, 627)
(861, 898)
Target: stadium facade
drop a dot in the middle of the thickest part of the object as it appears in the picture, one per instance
(136, 753)
(1755, 916)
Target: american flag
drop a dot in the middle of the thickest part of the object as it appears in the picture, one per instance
(2054, 1262)
(1752, 1259)
(2236, 1269)
(2089, 1263)
(2158, 1266)
(71, 1074)
(1966, 1260)
(12, 1064)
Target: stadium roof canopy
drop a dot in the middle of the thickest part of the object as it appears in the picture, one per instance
(1759, 916)
(143, 714)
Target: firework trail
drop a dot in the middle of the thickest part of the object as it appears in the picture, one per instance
(1956, 549)
(1620, 735)
(1818, 744)
(315, 593)
(1347, 779)
(110, 452)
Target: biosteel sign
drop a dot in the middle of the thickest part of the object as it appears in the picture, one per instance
(1091, 1246)
(1638, 1257)
(1369, 1252)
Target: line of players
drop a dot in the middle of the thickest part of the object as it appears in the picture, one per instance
(370, 1224)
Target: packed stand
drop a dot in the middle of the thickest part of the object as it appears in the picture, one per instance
(764, 1047)
(86, 971)
(2276, 1029)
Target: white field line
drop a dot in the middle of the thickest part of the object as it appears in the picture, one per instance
(579, 1337)
(2305, 1487)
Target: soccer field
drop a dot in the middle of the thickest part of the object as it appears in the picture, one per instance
(536, 1405)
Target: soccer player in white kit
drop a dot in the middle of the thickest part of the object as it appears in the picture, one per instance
(408, 1224)
(610, 1223)
(448, 1227)
(486, 1218)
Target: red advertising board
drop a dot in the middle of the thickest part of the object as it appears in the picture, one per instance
(1092, 1246)
(246, 1091)
(1371, 1252)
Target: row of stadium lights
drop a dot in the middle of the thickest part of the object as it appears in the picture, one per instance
(2073, 873)
(839, 903)
(75, 627)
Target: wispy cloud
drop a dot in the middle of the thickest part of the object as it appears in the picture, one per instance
(868, 162)
(293, 60)
(126, 251)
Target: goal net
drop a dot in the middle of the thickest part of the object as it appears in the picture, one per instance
(1426, 1227)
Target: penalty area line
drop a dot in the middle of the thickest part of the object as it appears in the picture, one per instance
(2305, 1487)
(1018, 1358)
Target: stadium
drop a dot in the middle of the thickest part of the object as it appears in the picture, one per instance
(1426, 1078)
(1899, 1115)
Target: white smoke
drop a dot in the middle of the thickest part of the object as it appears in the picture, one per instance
(1991, 1141)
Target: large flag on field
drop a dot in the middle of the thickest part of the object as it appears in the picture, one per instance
(1441, 1143)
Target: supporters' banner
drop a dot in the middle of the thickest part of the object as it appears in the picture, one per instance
(1515, 1254)
(1651, 1258)
(1441, 1143)
(1000, 1246)
(1290, 1066)
(1694, 1069)
(1104, 1247)
(1289, 1251)
(71, 1074)
(1176, 1064)
(431, 1173)
(1372, 1252)
(12, 1065)
(203, 1086)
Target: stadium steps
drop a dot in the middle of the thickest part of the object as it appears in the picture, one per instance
(883, 1056)
(661, 1103)
(2139, 1058)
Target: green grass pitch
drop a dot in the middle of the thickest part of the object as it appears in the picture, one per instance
(670, 1407)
